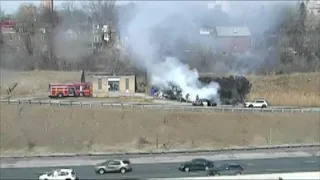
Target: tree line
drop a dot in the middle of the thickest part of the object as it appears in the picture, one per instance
(291, 44)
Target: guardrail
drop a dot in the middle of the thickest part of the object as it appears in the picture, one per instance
(174, 152)
(156, 106)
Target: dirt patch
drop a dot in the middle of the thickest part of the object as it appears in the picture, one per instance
(35, 129)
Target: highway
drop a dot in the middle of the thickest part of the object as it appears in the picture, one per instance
(169, 170)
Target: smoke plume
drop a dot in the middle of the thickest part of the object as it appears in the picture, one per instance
(164, 69)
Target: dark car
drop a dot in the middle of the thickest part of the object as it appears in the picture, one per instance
(196, 165)
(211, 103)
(226, 169)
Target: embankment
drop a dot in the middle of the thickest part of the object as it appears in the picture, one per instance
(43, 129)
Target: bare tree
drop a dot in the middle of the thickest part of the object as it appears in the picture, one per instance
(293, 43)
(2, 13)
(71, 14)
(27, 26)
(49, 20)
(103, 12)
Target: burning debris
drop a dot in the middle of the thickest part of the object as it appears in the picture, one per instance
(233, 90)
(172, 92)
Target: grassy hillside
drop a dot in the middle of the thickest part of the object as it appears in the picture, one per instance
(44, 129)
(296, 89)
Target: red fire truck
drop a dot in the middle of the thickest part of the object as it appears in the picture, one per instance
(70, 90)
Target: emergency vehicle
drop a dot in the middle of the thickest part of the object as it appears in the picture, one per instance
(69, 90)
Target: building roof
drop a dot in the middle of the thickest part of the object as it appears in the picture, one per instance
(110, 74)
(233, 31)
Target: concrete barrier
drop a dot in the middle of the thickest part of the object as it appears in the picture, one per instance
(283, 176)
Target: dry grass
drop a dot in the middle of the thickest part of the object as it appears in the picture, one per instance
(35, 82)
(35, 129)
(301, 89)
(293, 89)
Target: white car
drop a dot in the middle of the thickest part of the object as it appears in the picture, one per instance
(257, 103)
(59, 174)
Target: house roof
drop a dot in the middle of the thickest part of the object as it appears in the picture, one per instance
(233, 31)
(110, 74)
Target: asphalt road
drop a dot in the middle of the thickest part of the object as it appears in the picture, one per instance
(168, 170)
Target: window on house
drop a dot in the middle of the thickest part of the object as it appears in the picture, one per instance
(127, 83)
(96, 39)
(99, 83)
(113, 85)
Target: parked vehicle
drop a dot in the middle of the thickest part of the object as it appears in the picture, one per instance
(59, 174)
(226, 169)
(196, 165)
(69, 90)
(209, 102)
(204, 102)
(197, 103)
(115, 165)
(83, 89)
(257, 103)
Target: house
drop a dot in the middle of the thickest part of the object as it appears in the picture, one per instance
(103, 84)
(313, 7)
(8, 33)
(232, 39)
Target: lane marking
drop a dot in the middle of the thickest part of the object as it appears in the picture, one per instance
(273, 170)
(309, 162)
(250, 164)
(193, 173)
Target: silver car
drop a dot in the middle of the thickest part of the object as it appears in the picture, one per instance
(114, 165)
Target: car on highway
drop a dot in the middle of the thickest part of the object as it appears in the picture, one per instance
(112, 166)
(59, 174)
(226, 169)
(257, 103)
(198, 164)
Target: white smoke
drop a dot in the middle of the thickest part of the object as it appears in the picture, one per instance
(166, 70)
(173, 71)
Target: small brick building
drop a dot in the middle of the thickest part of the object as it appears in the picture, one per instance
(105, 83)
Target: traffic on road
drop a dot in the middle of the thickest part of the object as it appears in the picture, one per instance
(113, 170)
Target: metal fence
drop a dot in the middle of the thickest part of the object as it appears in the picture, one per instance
(157, 106)
(177, 152)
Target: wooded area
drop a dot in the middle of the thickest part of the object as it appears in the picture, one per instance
(291, 44)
